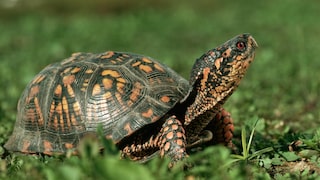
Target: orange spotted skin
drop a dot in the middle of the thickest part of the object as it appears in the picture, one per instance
(143, 106)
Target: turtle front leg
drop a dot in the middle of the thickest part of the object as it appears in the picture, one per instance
(172, 140)
(222, 129)
(218, 131)
(169, 141)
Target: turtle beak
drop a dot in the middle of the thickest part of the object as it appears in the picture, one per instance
(252, 42)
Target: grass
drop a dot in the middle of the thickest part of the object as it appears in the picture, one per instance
(281, 89)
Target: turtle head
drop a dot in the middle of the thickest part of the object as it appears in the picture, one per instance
(226, 64)
(216, 74)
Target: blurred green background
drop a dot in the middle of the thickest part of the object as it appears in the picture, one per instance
(281, 87)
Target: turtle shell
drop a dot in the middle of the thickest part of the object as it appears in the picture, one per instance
(121, 92)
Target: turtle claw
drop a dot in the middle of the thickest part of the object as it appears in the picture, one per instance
(206, 136)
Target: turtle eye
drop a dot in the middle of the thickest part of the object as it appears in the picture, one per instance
(241, 45)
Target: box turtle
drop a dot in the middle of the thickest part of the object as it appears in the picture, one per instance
(144, 107)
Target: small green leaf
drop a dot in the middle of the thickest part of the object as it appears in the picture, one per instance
(277, 161)
(266, 163)
(290, 156)
(307, 153)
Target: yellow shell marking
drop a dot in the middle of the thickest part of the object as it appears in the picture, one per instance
(75, 70)
(111, 73)
(145, 68)
(70, 91)
(147, 60)
(47, 146)
(148, 113)
(128, 128)
(25, 146)
(38, 111)
(68, 80)
(165, 99)
(68, 145)
(38, 79)
(136, 64)
(158, 67)
(107, 55)
(58, 90)
(96, 90)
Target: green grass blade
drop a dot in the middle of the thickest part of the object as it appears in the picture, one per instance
(251, 136)
(260, 152)
(244, 142)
